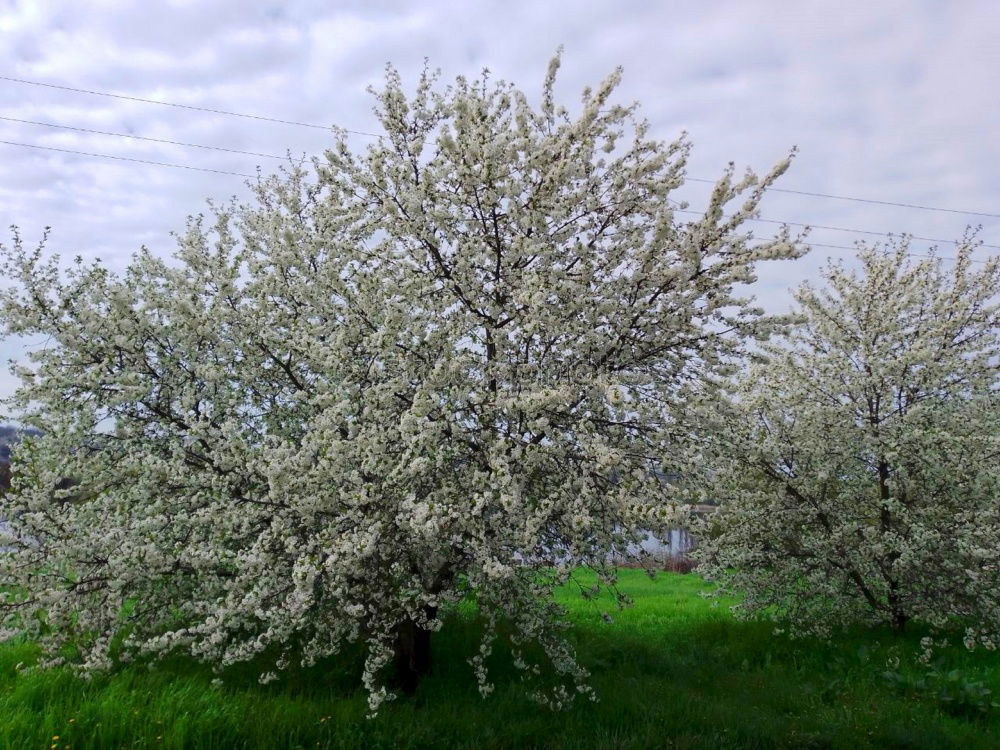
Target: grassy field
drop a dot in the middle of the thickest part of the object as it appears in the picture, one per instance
(671, 673)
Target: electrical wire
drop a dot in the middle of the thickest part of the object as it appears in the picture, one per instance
(847, 229)
(128, 158)
(240, 174)
(864, 200)
(139, 137)
(11, 79)
(126, 97)
(909, 255)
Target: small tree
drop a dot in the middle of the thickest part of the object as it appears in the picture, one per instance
(857, 462)
(442, 370)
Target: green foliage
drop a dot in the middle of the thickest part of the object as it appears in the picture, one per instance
(674, 671)
(952, 689)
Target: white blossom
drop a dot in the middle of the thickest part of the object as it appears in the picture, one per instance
(378, 389)
(857, 462)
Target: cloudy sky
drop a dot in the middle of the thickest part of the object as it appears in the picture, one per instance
(888, 101)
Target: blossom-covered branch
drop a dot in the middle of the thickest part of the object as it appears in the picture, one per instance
(445, 368)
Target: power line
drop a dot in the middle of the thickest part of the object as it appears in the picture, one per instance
(846, 229)
(909, 255)
(263, 118)
(864, 200)
(866, 231)
(241, 174)
(273, 156)
(139, 137)
(182, 106)
(128, 158)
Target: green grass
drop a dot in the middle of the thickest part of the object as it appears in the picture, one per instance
(672, 672)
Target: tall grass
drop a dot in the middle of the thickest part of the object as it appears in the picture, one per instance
(672, 672)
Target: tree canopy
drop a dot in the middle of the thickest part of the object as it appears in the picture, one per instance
(448, 367)
(857, 463)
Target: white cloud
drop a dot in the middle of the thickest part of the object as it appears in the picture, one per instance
(892, 101)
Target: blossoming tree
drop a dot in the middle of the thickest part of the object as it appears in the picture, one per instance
(857, 464)
(441, 369)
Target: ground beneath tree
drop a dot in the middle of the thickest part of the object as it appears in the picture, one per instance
(671, 672)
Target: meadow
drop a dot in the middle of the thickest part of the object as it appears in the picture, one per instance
(671, 672)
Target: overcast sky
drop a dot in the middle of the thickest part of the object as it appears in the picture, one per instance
(891, 101)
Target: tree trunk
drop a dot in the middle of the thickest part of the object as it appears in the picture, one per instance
(412, 653)
(899, 618)
(899, 621)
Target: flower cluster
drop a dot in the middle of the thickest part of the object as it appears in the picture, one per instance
(446, 368)
(856, 463)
